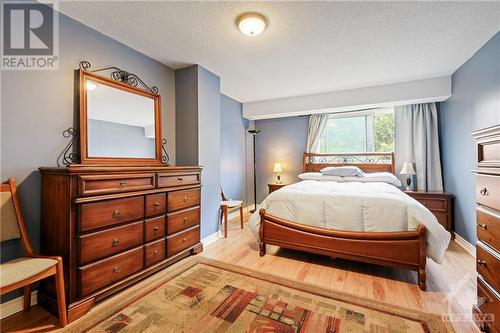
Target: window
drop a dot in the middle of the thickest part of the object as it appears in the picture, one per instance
(355, 132)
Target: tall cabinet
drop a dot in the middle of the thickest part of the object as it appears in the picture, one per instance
(487, 308)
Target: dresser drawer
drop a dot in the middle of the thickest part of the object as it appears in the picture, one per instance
(487, 300)
(488, 227)
(154, 252)
(183, 240)
(488, 191)
(488, 265)
(438, 204)
(154, 228)
(182, 220)
(105, 243)
(169, 180)
(156, 204)
(102, 184)
(442, 218)
(183, 199)
(102, 273)
(105, 213)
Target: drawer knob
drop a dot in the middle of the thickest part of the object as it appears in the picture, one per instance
(116, 213)
(123, 183)
(156, 204)
(156, 229)
(116, 269)
(184, 239)
(483, 226)
(481, 262)
(484, 191)
(185, 219)
(180, 179)
(115, 242)
(155, 252)
(185, 199)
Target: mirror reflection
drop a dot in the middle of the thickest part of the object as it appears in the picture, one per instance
(119, 123)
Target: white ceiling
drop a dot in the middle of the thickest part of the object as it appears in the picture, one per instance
(308, 47)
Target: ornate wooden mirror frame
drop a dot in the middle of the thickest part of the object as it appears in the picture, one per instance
(84, 76)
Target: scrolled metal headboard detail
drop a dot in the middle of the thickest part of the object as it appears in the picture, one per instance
(368, 162)
(118, 74)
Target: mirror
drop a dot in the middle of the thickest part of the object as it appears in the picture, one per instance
(118, 123)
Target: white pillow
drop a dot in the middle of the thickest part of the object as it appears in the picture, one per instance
(380, 177)
(343, 171)
(319, 176)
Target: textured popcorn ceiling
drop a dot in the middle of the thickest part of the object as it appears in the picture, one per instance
(308, 47)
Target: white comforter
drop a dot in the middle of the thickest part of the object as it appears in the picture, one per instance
(354, 206)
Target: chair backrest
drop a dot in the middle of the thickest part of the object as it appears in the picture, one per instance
(223, 196)
(11, 220)
(9, 228)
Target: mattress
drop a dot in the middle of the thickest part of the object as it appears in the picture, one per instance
(354, 206)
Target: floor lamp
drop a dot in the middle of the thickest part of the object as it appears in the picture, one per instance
(254, 133)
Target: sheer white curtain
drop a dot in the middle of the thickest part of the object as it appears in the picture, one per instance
(317, 124)
(417, 141)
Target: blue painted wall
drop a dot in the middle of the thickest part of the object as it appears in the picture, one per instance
(280, 140)
(209, 148)
(198, 135)
(474, 104)
(233, 151)
(37, 106)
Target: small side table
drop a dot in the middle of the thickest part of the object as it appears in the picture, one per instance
(440, 204)
(274, 187)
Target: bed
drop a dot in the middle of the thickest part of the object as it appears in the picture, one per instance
(408, 248)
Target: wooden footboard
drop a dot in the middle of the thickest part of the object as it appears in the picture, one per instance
(405, 249)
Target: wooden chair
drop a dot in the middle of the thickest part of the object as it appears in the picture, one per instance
(22, 272)
(227, 205)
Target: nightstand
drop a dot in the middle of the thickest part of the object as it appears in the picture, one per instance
(440, 204)
(274, 187)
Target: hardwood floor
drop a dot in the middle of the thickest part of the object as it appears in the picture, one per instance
(451, 287)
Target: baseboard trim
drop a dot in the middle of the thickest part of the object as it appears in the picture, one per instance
(210, 239)
(16, 305)
(471, 249)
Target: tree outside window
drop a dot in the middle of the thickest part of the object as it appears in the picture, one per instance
(357, 132)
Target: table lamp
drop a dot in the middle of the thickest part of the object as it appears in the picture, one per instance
(408, 169)
(278, 169)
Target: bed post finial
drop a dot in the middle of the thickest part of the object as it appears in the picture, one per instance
(262, 245)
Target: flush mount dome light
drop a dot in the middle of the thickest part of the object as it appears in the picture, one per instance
(251, 24)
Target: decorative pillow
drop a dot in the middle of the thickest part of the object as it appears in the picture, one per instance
(343, 171)
(380, 177)
(319, 176)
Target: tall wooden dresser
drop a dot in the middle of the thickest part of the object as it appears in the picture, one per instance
(115, 225)
(487, 309)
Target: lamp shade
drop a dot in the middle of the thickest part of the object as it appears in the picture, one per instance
(277, 167)
(408, 169)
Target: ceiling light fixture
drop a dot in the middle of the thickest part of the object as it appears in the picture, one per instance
(251, 24)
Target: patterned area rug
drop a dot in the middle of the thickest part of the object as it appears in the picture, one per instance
(208, 296)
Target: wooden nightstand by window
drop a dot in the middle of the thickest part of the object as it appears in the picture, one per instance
(440, 204)
(274, 187)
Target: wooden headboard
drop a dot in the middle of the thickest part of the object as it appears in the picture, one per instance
(368, 162)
